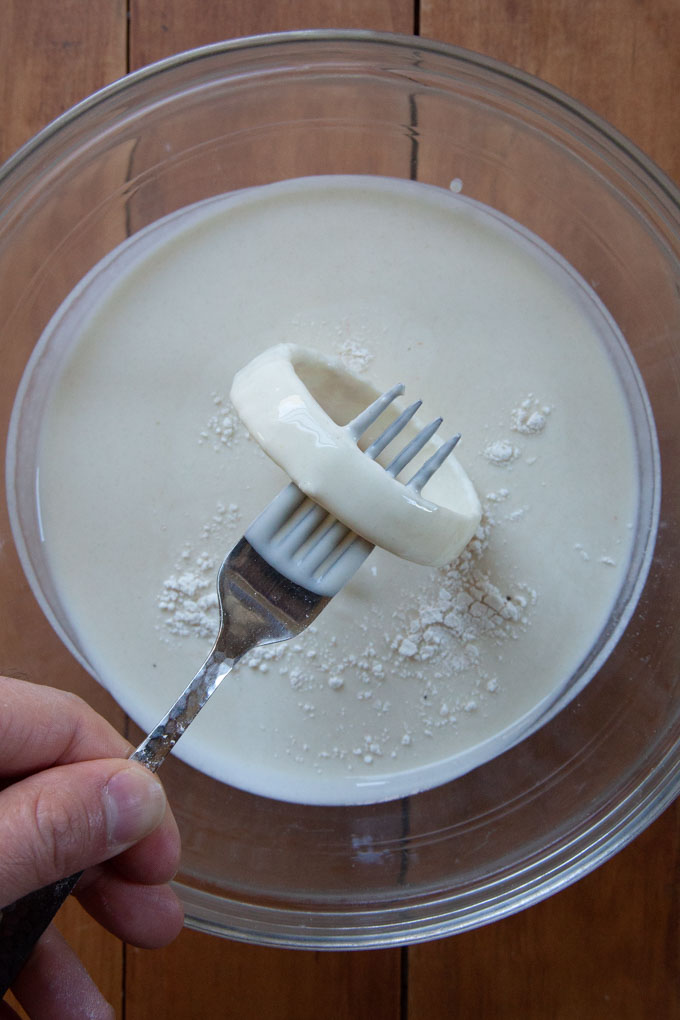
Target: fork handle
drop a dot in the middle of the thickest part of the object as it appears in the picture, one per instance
(23, 922)
(155, 748)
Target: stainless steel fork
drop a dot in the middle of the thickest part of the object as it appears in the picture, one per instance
(291, 561)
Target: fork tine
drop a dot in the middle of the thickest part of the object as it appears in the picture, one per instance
(348, 555)
(300, 526)
(273, 519)
(320, 546)
(304, 542)
(393, 430)
(414, 447)
(358, 425)
(422, 477)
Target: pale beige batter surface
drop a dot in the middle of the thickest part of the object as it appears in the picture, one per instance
(147, 478)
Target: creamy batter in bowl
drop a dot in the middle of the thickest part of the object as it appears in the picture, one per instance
(561, 800)
(412, 675)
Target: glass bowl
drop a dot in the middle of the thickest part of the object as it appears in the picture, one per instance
(270, 108)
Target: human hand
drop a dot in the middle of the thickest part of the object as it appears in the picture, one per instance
(71, 801)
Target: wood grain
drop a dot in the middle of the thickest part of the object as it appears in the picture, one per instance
(57, 54)
(605, 949)
(200, 976)
(52, 57)
(619, 57)
(160, 29)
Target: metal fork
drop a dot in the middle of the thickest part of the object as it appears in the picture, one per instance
(291, 561)
(277, 579)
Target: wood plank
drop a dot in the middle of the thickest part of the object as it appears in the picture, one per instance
(38, 85)
(203, 976)
(52, 57)
(607, 946)
(158, 30)
(619, 57)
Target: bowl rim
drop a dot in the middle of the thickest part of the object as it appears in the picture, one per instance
(589, 117)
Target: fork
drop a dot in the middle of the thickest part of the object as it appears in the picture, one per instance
(276, 580)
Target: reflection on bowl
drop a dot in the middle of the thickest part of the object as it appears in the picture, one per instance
(245, 113)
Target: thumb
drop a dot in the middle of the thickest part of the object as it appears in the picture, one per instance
(67, 818)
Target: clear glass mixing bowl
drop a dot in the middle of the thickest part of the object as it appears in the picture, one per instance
(264, 109)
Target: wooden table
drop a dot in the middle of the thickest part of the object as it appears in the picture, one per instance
(608, 947)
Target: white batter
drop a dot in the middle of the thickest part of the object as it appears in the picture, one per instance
(412, 674)
(291, 423)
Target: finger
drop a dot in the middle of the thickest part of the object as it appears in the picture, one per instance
(152, 861)
(40, 727)
(155, 859)
(68, 818)
(54, 985)
(148, 916)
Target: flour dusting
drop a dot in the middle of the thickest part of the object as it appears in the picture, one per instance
(433, 646)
